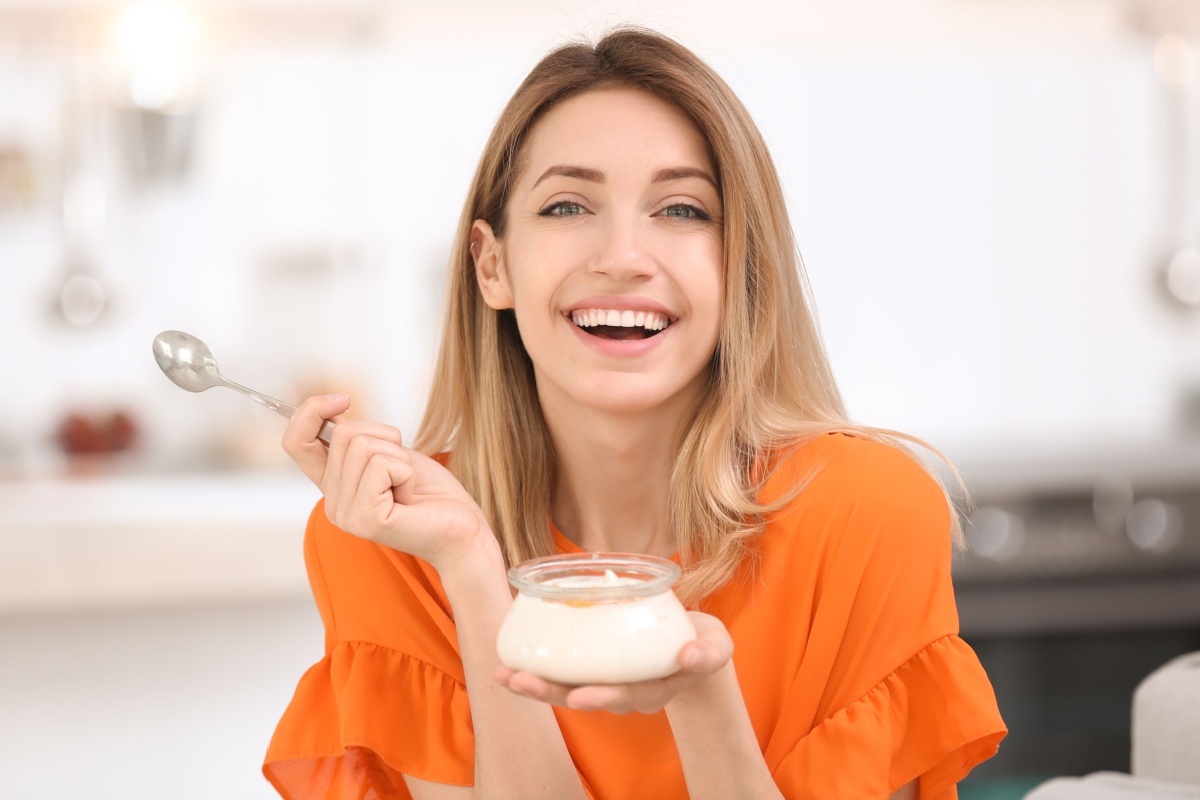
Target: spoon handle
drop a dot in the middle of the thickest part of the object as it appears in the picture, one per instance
(281, 408)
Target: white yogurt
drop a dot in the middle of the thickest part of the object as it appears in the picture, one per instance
(572, 624)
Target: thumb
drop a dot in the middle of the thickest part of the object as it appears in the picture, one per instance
(300, 437)
(332, 405)
(702, 658)
(325, 407)
(710, 650)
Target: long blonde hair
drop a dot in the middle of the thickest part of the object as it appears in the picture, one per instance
(769, 384)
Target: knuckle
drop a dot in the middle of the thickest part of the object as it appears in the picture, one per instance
(290, 440)
(360, 439)
(350, 427)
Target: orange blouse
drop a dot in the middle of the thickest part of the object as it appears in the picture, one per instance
(845, 645)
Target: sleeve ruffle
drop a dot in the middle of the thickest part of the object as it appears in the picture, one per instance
(934, 718)
(363, 715)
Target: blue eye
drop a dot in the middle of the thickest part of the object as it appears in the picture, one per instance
(685, 211)
(564, 208)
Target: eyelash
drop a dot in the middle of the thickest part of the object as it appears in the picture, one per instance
(694, 212)
(549, 211)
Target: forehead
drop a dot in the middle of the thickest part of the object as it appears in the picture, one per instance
(615, 127)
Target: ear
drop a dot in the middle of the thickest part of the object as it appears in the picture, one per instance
(489, 266)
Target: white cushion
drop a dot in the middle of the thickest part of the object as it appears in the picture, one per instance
(1112, 786)
(1166, 722)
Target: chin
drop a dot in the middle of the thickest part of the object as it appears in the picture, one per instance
(612, 397)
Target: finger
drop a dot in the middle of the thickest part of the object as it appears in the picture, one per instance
(300, 440)
(386, 476)
(402, 492)
(701, 658)
(531, 686)
(370, 509)
(644, 697)
(616, 699)
(706, 654)
(376, 430)
(334, 485)
(358, 453)
(710, 650)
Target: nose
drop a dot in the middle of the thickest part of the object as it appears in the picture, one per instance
(623, 254)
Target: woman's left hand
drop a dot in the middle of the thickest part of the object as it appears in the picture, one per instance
(699, 659)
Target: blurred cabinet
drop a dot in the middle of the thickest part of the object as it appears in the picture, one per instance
(148, 540)
(1082, 577)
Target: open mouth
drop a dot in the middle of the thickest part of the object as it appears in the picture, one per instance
(621, 326)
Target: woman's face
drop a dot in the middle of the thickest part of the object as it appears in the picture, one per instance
(612, 257)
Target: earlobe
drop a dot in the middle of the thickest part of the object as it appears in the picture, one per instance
(488, 258)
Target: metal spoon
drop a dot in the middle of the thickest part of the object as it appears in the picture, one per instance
(190, 365)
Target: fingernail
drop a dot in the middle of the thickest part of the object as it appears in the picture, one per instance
(337, 398)
(694, 658)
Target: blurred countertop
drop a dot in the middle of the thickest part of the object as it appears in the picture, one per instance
(1077, 467)
(143, 540)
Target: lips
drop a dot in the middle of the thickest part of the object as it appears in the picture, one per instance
(618, 325)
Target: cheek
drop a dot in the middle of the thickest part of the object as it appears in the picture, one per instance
(714, 295)
(535, 269)
(711, 280)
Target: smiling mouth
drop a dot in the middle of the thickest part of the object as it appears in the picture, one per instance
(621, 326)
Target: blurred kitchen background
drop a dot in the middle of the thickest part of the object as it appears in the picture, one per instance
(998, 202)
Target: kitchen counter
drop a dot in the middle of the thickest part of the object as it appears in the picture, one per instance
(137, 539)
(1018, 471)
(151, 540)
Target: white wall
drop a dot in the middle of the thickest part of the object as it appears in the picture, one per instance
(978, 225)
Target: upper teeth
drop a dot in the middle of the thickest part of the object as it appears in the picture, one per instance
(650, 320)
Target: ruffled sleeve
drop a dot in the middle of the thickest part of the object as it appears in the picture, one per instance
(882, 690)
(933, 719)
(388, 698)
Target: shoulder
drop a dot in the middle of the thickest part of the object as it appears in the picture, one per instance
(867, 532)
(366, 567)
(333, 547)
(839, 467)
(854, 486)
(352, 579)
(329, 549)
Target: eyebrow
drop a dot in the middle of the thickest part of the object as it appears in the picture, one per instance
(677, 173)
(596, 176)
(568, 171)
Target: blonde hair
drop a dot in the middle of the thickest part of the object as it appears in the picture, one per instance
(770, 384)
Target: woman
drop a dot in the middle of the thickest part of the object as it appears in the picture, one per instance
(630, 364)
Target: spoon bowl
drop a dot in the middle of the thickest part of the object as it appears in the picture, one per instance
(189, 364)
(186, 361)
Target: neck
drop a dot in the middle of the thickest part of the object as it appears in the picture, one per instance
(613, 480)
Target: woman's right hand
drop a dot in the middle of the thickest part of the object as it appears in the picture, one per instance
(380, 490)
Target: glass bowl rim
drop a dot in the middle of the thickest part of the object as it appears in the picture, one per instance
(661, 575)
